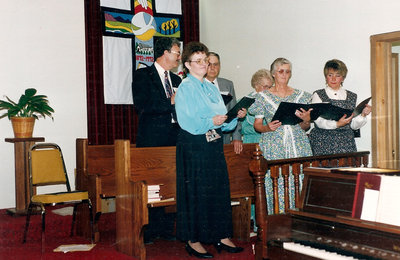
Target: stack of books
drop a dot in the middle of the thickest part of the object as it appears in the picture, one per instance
(153, 193)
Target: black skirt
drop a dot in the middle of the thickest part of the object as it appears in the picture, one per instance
(204, 211)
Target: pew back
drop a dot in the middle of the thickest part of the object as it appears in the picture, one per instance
(155, 166)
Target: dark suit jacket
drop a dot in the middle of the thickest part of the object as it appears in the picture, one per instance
(154, 109)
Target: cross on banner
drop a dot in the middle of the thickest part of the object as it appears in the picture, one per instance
(128, 37)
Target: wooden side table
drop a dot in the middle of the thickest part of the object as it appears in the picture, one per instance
(22, 192)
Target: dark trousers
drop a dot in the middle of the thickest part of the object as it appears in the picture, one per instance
(161, 224)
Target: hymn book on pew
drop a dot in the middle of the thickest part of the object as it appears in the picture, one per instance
(376, 198)
(153, 193)
(286, 111)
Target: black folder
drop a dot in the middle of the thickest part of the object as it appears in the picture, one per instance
(286, 111)
(358, 110)
(245, 102)
(227, 98)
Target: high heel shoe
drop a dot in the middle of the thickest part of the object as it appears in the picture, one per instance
(191, 252)
(221, 246)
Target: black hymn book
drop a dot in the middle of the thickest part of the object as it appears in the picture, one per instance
(286, 111)
(245, 102)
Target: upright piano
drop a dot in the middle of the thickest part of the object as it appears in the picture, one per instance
(322, 226)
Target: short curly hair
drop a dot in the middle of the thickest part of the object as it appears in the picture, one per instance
(279, 62)
(190, 49)
(336, 65)
(259, 75)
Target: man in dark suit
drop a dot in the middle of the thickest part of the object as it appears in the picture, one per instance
(154, 100)
(225, 86)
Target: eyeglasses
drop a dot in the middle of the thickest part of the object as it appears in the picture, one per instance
(175, 52)
(284, 71)
(213, 64)
(266, 86)
(260, 86)
(200, 61)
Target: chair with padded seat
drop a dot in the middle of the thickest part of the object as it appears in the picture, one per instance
(47, 167)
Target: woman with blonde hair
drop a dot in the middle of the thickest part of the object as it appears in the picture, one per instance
(260, 81)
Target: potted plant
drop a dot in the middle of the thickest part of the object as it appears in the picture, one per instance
(23, 114)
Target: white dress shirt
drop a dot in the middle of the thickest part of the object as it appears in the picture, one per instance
(161, 73)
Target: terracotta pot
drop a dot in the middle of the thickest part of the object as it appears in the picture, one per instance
(23, 126)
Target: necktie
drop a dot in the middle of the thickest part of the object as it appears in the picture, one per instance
(169, 93)
(167, 85)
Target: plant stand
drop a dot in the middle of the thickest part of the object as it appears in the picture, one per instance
(22, 192)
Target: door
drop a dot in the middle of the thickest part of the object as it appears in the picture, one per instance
(385, 99)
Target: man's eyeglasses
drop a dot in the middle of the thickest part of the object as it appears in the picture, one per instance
(175, 52)
(213, 64)
(200, 61)
(284, 71)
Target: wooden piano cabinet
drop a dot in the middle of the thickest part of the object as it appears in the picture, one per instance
(22, 192)
(326, 192)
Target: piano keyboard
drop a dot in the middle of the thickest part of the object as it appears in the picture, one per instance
(314, 252)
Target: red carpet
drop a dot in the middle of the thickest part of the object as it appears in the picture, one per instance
(57, 233)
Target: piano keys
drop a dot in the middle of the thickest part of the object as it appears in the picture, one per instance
(311, 250)
(322, 227)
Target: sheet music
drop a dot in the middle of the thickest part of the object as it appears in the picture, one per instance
(370, 204)
(388, 205)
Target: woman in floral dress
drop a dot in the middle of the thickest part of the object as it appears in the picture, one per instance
(281, 141)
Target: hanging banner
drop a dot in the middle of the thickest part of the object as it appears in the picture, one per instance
(129, 28)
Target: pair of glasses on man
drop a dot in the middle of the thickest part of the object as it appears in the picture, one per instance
(176, 52)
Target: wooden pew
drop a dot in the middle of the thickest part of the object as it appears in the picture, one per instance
(138, 167)
(259, 166)
(95, 172)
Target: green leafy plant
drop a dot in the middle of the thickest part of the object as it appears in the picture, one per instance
(29, 105)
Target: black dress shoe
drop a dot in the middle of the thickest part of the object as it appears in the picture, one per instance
(221, 246)
(191, 252)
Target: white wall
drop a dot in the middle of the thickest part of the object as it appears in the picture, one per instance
(250, 34)
(42, 45)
